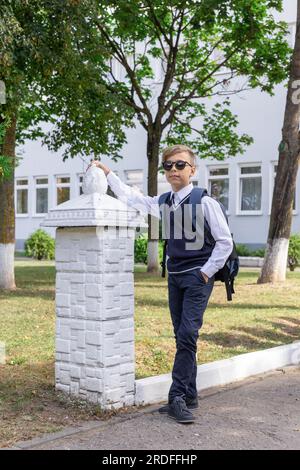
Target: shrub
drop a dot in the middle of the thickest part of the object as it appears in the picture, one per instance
(294, 252)
(40, 245)
(242, 250)
(260, 253)
(140, 249)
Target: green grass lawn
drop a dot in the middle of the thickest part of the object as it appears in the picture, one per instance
(260, 316)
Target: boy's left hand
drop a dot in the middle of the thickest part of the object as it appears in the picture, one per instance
(205, 277)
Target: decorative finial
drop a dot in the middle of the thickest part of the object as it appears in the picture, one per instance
(94, 181)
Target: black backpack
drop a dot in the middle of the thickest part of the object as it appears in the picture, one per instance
(228, 273)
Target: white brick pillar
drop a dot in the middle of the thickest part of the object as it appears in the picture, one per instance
(94, 256)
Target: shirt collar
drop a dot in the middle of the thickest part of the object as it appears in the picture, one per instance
(182, 193)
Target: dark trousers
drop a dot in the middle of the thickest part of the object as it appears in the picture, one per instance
(188, 298)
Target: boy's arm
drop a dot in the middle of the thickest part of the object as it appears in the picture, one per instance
(221, 233)
(130, 196)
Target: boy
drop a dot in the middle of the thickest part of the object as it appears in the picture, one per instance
(190, 272)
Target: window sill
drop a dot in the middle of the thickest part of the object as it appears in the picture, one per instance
(249, 213)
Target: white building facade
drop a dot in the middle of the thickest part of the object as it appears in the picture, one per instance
(244, 184)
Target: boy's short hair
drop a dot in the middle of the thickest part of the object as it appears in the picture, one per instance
(174, 149)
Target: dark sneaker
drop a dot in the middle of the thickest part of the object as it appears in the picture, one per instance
(191, 403)
(178, 411)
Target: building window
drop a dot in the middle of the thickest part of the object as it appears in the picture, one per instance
(22, 196)
(41, 195)
(250, 188)
(62, 189)
(134, 178)
(218, 185)
(80, 179)
(275, 166)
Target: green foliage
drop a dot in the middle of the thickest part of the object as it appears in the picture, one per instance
(40, 245)
(140, 249)
(242, 250)
(294, 252)
(65, 50)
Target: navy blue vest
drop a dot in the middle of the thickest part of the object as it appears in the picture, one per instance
(179, 257)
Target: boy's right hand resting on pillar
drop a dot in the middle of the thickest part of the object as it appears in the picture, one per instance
(99, 165)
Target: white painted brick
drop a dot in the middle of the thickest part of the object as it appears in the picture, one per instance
(109, 313)
(78, 311)
(78, 325)
(62, 254)
(74, 388)
(93, 290)
(75, 372)
(91, 352)
(110, 348)
(112, 256)
(91, 258)
(78, 341)
(126, 277)
(78, 357)
(63, 287)
(127, 368)
(93, 385)
(77, 278)
(110, 327)
(91, 305)
(93, 337)
(128, 265)
(127, 323)
(62, 346)
(63, 388)
(113, 395)
(63, 300)
(63, 312)
(108, 299)
(95, 281)
(110, 280)
(64, 332)
(126, 335)
(127, 288)
(92, 397)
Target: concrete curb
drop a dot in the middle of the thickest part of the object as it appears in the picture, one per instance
(155, 389)
(251, 261)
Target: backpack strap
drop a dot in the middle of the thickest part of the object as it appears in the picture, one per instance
(163, 198)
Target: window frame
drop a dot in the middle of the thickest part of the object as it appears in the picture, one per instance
(62, 185)
(16, 197)
(209, 178)
(240, 177)
(36, 186)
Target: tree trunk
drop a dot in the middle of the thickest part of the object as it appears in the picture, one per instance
(153, 158)
(7, 213)
(275, 261)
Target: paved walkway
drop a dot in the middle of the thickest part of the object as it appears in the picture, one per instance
(259, 413)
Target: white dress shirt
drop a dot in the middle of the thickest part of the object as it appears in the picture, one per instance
(211, 211)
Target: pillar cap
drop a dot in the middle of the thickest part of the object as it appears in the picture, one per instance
(94, 208)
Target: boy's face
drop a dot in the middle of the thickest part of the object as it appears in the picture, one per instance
(180, 178)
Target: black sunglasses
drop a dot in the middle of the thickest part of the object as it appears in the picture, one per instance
(179, 165)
